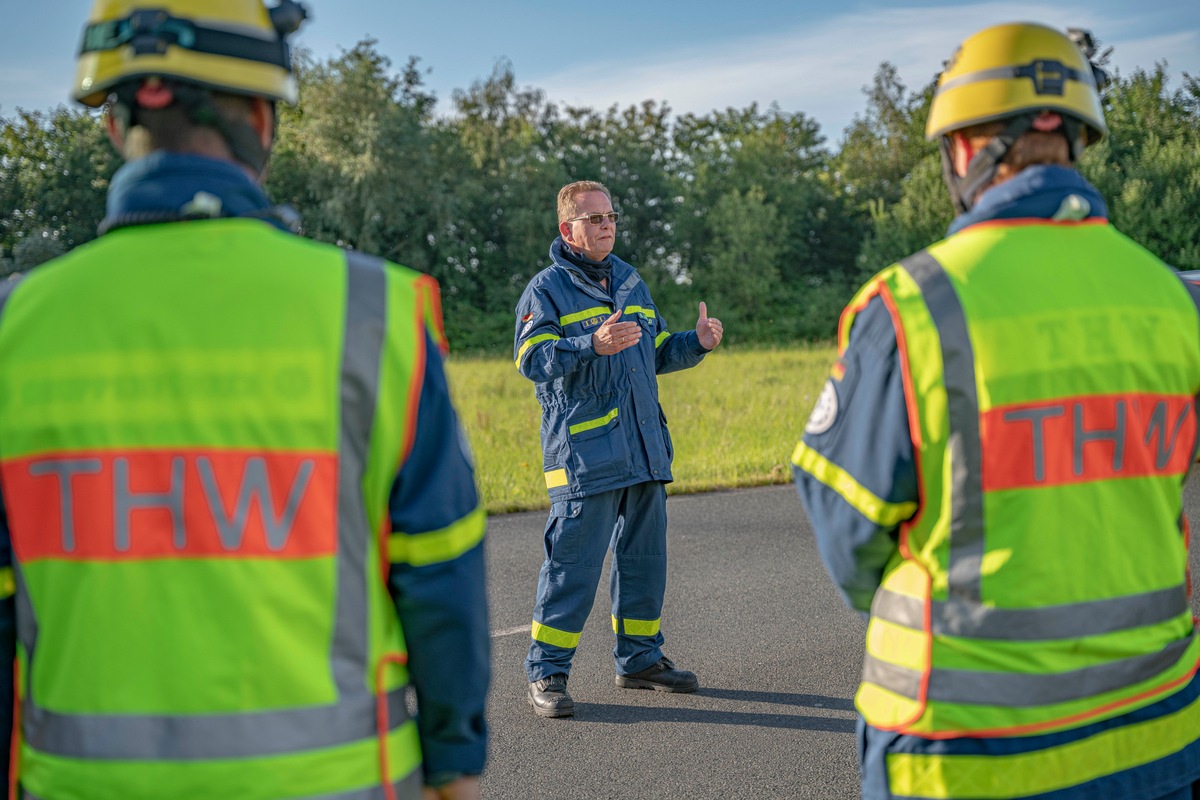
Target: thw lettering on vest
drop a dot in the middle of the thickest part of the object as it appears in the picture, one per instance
(1082, 439)
(159, 504)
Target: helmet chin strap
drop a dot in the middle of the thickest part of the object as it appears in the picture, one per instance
(981, 170)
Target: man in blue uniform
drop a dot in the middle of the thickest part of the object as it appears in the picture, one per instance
(993, 469)
(589, 337)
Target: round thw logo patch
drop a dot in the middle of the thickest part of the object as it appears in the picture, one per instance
(824, 413)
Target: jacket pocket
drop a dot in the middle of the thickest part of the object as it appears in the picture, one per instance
(666, 432)
(597, 444)
(590, 428)
(562, 541)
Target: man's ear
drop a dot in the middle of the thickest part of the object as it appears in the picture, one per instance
(963, 153)
(564, 230)
(115, 133)
(262, 119)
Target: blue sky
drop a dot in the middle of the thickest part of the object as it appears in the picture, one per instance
(807, 56)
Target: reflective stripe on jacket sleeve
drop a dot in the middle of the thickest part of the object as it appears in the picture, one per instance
(541, 351)
(855, 474)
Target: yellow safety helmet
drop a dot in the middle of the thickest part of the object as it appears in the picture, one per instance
(1013, 69)
(236, 46)
(1014, 73)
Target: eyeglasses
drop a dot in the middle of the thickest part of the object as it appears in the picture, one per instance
(596, 219)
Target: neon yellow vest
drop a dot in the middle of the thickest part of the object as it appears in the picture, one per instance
(1051, 374)
(200, 424)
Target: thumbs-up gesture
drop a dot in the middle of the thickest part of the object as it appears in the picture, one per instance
(708, 329)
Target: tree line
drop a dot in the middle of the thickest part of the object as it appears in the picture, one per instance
(748, 209)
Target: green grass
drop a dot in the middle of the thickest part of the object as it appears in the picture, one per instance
(734, 420)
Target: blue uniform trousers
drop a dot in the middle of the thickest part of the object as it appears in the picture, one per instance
(633, 522)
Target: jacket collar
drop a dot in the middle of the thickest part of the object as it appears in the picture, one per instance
(594, 270)
(620, 282)
(185, 186)
(1038, 192)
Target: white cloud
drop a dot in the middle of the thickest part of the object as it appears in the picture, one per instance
(821, 70)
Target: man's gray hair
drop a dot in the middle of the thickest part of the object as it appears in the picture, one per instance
(567, 194)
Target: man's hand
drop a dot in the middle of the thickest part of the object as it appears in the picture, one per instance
(709, 329)
(612, 336)
(465, 788)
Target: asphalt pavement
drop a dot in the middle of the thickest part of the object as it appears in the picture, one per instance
(750, 610)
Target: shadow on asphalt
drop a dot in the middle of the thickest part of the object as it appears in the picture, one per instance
(779, 698)
(614, 714)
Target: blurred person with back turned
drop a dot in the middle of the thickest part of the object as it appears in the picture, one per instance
(241, 510)
(994, 468)
(591, 339)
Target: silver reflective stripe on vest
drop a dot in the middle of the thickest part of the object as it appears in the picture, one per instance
(1067, 621)
(1017, 690)
(259, 733)
(407, 788)
(366, 327)
(144, 737)
(962, 408)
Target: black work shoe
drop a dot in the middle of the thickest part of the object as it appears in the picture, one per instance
(549, 697)
(661, 677)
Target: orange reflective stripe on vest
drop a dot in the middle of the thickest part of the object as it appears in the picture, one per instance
(1085, 439)
(214, 503)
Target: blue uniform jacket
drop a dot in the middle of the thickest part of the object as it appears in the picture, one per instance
(602, 425)
(869, 438)
(442, 606)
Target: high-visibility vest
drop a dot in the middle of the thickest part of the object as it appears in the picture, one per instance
(200, 425)
(1051, 373)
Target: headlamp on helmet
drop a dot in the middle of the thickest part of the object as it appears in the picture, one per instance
(1087, 45)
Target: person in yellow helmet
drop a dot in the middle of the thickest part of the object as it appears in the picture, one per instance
(238, 515)
(993, 470)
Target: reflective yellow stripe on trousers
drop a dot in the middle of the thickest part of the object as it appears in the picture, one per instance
(548, 635)
(637, 627)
